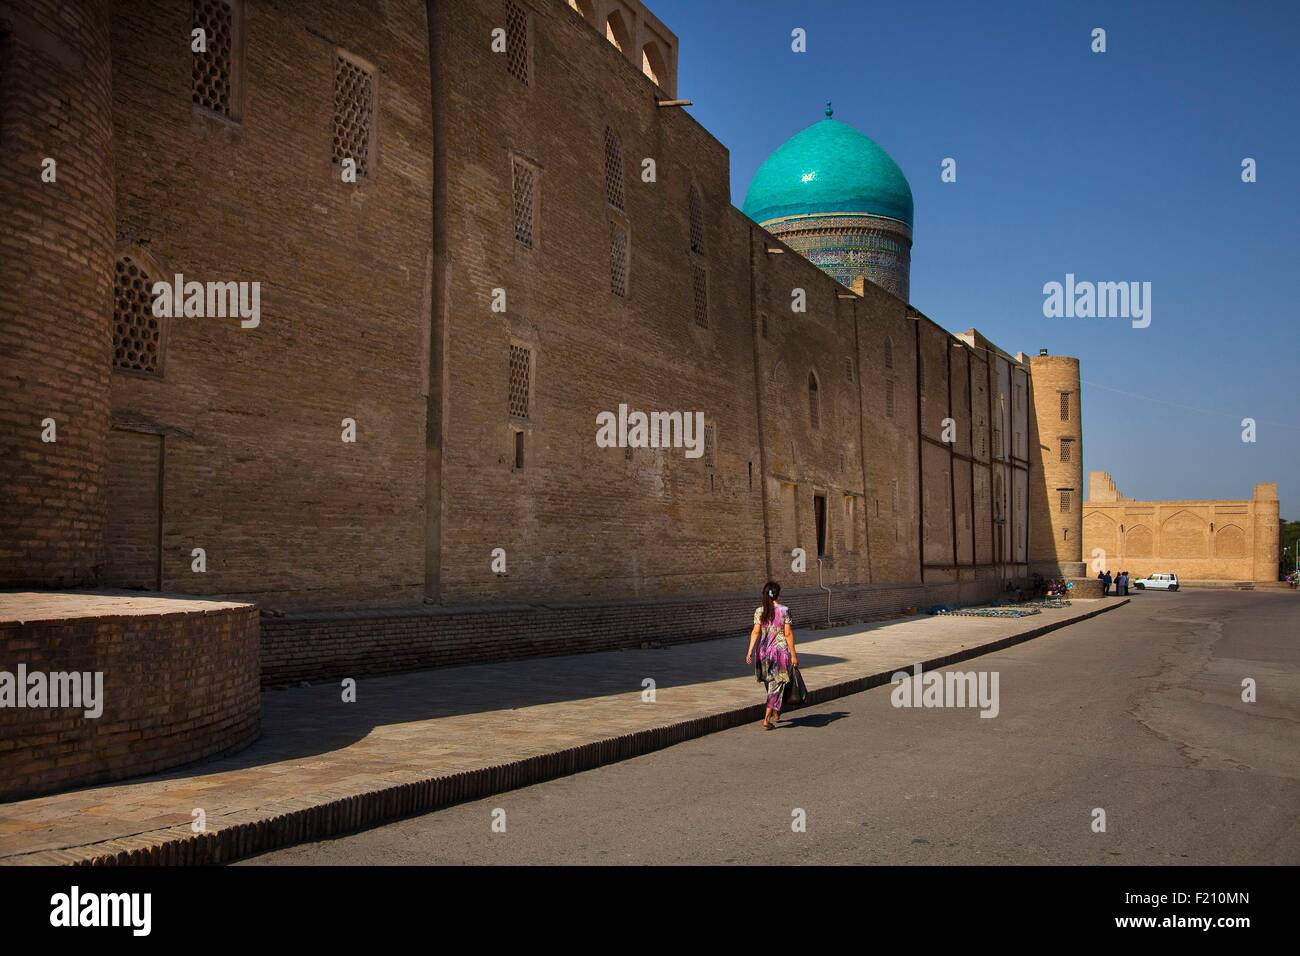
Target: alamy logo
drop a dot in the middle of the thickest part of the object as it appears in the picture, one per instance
(208, 300)
(946, 689)
(82, 690)
(1101, 300)
(651, 430)
(103, 909)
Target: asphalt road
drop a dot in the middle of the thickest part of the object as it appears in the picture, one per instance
(1138, 712)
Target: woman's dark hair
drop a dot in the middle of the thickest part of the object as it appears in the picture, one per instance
(771, 590)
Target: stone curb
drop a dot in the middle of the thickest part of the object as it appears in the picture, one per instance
(277, 826)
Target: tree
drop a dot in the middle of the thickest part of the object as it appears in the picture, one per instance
(1290, 533)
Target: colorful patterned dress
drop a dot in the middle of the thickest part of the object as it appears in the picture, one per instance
(773, 654)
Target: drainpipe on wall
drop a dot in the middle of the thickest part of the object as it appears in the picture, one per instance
(826, 589)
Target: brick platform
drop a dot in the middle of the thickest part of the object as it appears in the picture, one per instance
(180, 684)
(1085, 588)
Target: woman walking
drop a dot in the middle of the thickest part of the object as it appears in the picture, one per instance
(776, 652)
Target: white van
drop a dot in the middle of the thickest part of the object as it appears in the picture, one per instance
(1157, 582)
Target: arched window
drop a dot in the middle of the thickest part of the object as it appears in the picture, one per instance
(814, 402)
(137, 333)
(697, 221)
(617, 33)
(653, 64)
(586, 7)
(889, 352)
(613, 169)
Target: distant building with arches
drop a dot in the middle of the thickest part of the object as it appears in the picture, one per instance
(1234, 541)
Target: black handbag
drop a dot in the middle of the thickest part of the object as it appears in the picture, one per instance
(796, 691)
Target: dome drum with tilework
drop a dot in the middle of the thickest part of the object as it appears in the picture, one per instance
(835, 196)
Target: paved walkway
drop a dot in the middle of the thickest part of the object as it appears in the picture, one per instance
(415, 742)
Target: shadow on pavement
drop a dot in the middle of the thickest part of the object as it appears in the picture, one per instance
(814, 720)
(307, 721)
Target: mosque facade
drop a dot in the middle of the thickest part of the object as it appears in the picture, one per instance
(428, 259)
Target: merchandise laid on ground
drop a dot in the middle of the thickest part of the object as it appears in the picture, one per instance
(991, 612)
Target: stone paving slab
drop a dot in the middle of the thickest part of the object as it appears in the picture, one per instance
(420, 741)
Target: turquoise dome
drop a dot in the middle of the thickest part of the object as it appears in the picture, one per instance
(829, 168)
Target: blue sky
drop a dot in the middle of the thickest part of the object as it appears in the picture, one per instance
(1121, 166)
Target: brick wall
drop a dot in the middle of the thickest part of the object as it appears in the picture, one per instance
(1197, 540)
(378, 305)
(822, 460)
(251, 419)
(566, 520)
(134, 486)
(562, 519)
(55, 289)
(178, 687)
(887, 381)
(325, 646)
